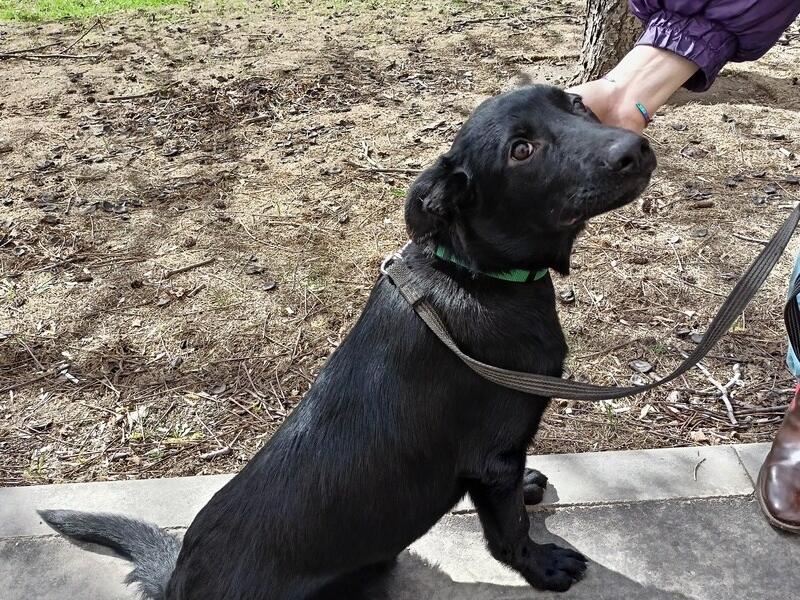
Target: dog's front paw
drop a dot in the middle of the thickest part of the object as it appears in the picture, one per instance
(533, 486)
(555, 568)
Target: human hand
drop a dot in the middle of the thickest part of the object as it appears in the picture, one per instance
(645, 75)
(607, 101)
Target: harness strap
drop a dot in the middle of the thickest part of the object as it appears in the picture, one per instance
(544, 385)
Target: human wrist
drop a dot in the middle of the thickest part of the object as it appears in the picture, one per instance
(648, 75)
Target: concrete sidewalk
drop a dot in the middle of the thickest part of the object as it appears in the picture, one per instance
(656, 524)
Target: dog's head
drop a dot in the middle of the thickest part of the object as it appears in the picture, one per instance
(524, 174)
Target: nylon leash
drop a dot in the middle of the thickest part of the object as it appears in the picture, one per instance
(753, 279)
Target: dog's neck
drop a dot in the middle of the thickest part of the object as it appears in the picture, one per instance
(514, 275)
(551, 250)
(485, 314)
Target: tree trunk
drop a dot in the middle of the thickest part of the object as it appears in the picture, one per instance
(609, 31)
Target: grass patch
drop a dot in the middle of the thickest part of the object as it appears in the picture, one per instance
(54, 10)
(356, 6)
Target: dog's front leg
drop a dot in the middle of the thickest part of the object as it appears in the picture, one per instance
(498, 498)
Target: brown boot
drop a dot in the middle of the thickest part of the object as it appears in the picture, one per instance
(778, 487)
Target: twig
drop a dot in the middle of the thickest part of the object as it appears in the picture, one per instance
(209, 431)
(777, 410)
(257, 119)
(694, 285)
(608, 350)
(34, 49)
(174, 272)
(100, 408)
(258, 392)
(262, 242)
(192, 293)
(43, 56)
(723, 392)
(737, 377)
(368, 158)
(247, 410)
(529, 59)
(556, 16)
(21, 384)
(27, 348)
(677, 256)
(372, 169)
(83, 35)
(459, 24)
(750, 239)
(133, 96)
(69, 200)
(697, 466)
(215, 453)
(723, 389)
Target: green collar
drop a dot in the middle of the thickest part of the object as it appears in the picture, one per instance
(515, 275)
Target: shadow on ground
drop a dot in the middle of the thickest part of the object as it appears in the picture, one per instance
(412, 577)
(747, 87)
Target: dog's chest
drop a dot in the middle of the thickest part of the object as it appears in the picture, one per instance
(516, 336)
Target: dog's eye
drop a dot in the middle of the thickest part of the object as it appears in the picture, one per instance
(521, 150)
(578, 105)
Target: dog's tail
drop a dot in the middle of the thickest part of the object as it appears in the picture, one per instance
(152, 551)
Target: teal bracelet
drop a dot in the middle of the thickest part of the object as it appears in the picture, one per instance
(643, 109)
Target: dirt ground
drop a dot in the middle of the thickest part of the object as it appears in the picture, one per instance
(192, 216)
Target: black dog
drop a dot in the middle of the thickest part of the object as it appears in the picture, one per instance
(396, 429)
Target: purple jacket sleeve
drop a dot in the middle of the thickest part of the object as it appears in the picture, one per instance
(713, 32)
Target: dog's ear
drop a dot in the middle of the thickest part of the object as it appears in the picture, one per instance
(436, 198)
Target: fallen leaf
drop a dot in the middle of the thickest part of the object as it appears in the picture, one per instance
(702, 204)
(136, 416)
(567, 296)
(699, 232)
(642, 366)
(41, 425)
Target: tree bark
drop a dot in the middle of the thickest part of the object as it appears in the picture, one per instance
(609, 31)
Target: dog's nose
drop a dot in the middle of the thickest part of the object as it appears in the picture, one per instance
(627, 154)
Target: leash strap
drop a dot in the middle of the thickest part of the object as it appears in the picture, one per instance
(555, 387)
